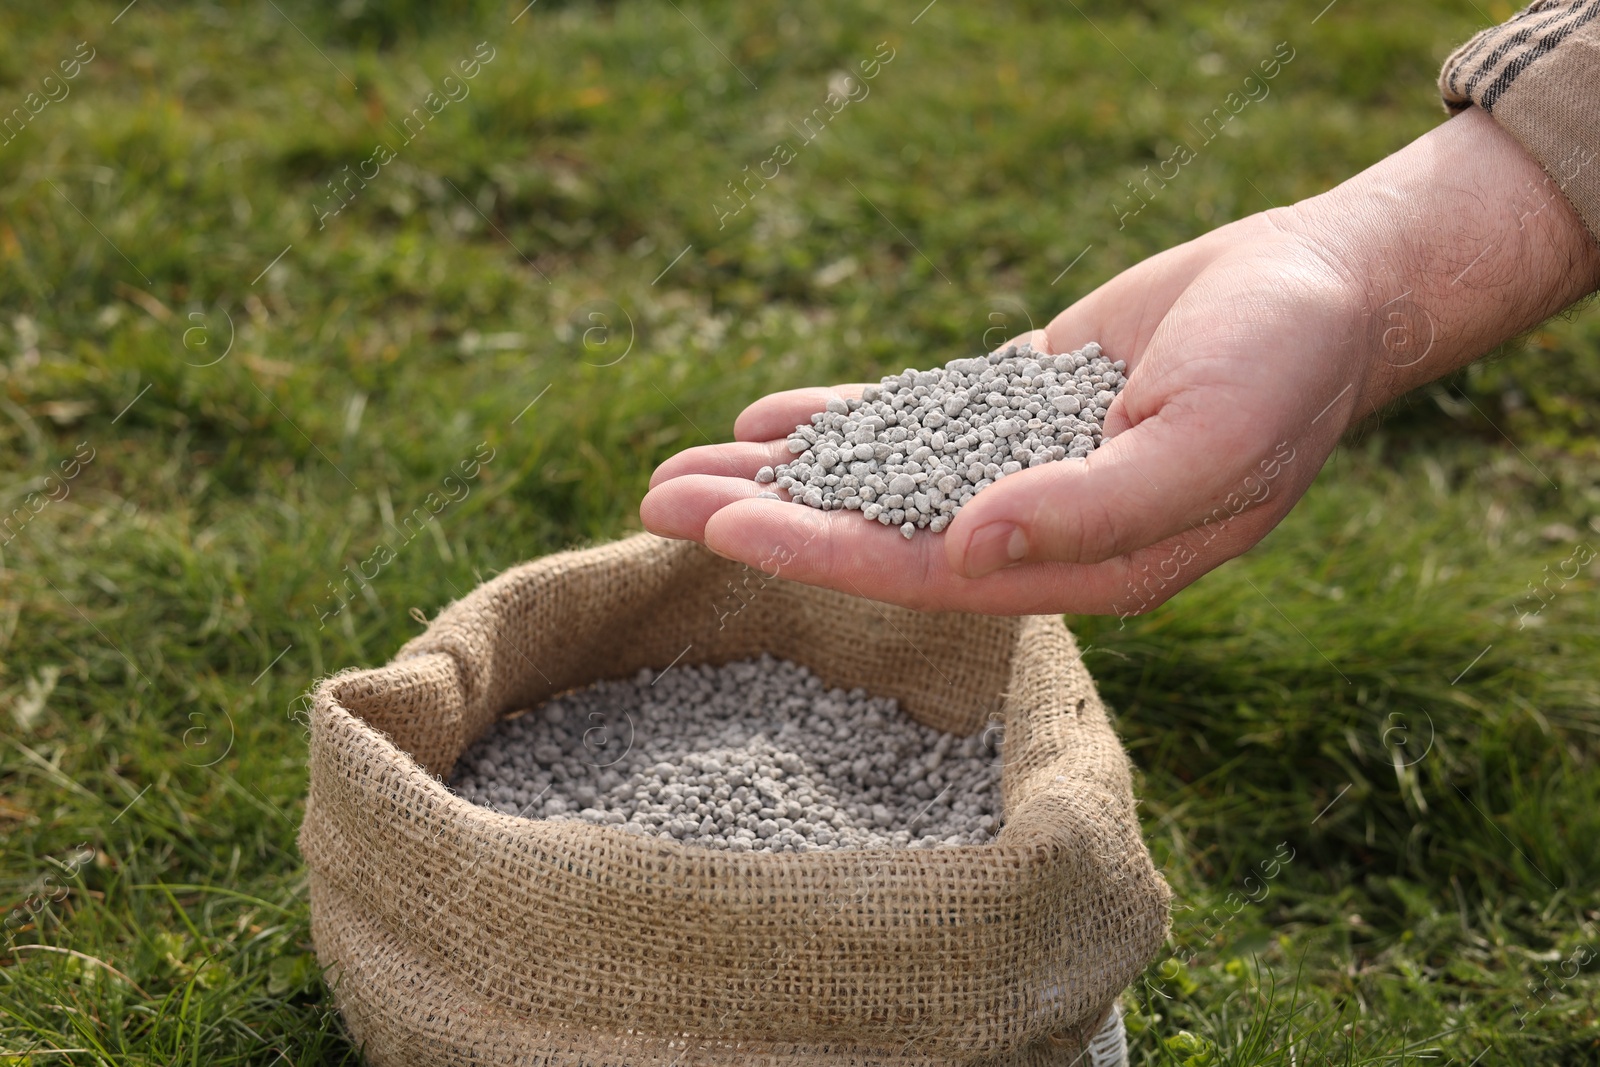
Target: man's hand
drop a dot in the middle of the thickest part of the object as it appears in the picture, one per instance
(1250, 350)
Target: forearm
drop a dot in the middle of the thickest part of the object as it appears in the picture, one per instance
(1459, 241)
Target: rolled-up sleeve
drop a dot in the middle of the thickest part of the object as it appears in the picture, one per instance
(1539, 76)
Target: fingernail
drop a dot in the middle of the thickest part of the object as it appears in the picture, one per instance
(994, 546)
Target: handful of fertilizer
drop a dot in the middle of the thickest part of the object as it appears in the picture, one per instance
(919, 445)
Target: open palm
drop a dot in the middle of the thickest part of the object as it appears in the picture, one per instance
(1242, 373)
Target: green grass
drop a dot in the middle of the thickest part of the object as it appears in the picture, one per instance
(1359, 689)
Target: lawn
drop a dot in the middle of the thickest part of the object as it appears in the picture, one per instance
(271, 272)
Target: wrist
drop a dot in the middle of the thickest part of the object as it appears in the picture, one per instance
(1454, 244)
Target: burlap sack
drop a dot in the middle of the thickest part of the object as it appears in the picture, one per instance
(454, 934)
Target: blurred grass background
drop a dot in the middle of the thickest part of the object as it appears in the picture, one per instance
(267, 397)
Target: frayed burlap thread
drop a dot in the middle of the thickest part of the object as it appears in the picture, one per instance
(454, 934)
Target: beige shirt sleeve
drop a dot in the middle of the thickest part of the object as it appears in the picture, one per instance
(1539, 76)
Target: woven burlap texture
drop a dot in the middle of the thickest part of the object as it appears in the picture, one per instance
(454, 934)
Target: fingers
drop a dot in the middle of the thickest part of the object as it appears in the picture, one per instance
(840, 550)
(1138, 488)
(681, 506)
(774, 417)
(843, 551)
(739, 459)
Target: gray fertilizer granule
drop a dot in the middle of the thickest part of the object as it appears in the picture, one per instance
(915, 448)
(754, 756)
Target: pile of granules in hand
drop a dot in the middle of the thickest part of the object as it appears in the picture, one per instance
(753, 756)
(912, 450)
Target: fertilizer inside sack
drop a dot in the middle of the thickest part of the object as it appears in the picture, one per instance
(752, 756)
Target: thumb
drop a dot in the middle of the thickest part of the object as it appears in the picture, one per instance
(1149, 482)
